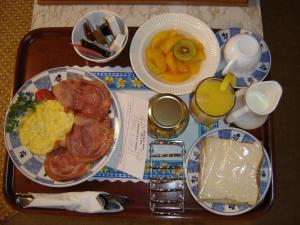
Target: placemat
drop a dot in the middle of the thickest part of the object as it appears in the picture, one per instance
(15, 17)
(124, 79)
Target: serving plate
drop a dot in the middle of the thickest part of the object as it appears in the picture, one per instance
(193, 166)
(187, 25)
(260, 72)
(32, 165)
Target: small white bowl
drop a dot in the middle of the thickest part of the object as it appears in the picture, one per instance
(95, 18)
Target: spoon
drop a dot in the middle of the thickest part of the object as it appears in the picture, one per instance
(110, 200)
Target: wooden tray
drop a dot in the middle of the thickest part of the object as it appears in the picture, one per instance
(177, 2)
(46, 48)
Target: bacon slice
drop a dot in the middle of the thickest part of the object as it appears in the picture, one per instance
(93, 101)
(60, 165)
(90, 99)
(83, 121)
(90, 142)
(61, 143)
(66, 90)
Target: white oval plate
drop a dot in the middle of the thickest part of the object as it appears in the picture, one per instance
(32, 165)
(185, 24)
(192, 172)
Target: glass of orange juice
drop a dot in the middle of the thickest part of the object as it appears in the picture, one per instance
(209, 103)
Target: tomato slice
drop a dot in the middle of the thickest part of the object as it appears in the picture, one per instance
(44, 94)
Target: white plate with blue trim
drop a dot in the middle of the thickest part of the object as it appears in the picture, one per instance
(193, 166)
(260, 72)
(32, 165)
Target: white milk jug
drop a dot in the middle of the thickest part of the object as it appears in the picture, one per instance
(254, 104)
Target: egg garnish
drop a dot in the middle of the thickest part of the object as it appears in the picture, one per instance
(41, 128)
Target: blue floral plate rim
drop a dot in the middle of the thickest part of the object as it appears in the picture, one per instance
(31, 165)
(262, 69)
(221, 208)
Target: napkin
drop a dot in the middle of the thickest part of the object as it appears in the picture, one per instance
(85, 202)
(133, 146)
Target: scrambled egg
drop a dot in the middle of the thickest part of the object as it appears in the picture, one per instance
(41, 128)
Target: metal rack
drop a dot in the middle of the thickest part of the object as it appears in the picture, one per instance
(167, 192)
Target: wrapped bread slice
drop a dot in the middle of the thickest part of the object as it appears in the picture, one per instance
(229, 171)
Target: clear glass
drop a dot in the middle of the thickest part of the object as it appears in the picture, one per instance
(209, 103)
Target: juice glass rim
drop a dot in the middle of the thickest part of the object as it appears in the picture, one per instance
(220, 80)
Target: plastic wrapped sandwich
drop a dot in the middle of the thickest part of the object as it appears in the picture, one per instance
(229, 171)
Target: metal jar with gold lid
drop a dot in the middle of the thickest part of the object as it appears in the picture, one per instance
(168, 116)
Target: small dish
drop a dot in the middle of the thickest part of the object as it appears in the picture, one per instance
(260, 72)
(187, 25)
(32, 165)
(193, 166)
(95, 18)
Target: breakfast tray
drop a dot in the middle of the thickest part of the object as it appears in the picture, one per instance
(46, 48)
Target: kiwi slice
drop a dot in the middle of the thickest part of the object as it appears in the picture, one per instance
(185, 50)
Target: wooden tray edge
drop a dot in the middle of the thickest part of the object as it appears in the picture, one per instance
(163, 2)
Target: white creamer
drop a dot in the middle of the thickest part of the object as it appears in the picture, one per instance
(254, 104)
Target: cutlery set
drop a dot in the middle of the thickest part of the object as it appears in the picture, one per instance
(72, 201)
